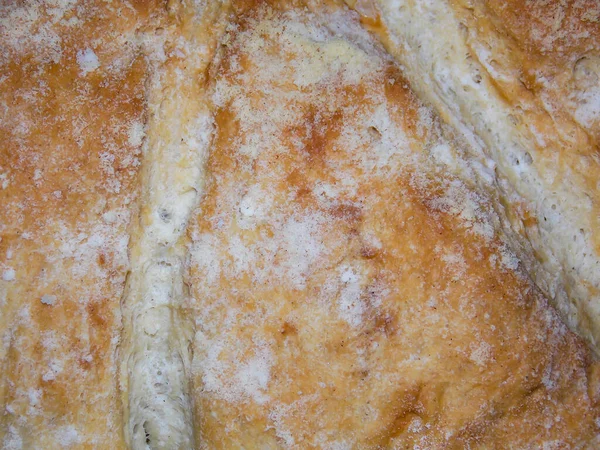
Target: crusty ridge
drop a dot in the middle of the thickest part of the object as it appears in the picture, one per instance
(155, 352)
(544, 153)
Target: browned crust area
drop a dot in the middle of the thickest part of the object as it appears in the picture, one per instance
(71, 113)
(343, 299)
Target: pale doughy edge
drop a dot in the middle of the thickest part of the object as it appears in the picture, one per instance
(426, 39)
(155, 351)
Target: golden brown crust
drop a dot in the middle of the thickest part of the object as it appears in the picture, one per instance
(543, 60)
(519, 81)
(347, 291)
(72, 105)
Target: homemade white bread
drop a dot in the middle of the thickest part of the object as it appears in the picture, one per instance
(232, 224)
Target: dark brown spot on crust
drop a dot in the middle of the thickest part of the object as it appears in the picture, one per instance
(368, 252)
(347, 211)
(288, 328)
(96, 315)
(385, 324)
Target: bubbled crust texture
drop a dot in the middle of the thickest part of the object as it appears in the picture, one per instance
(544, 60)
(324, 280)
(553, 53)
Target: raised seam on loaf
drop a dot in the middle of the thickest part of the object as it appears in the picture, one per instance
(426, 38)
(155, 353)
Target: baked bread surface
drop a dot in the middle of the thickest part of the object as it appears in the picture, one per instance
(71, 118)
(235, 225)
(521, 82)
(348, 292)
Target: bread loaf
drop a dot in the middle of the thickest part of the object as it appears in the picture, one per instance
(299, 224)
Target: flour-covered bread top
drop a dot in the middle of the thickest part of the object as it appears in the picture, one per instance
(71, 120)
(520, 79)
(233, 224)
(347, 290)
